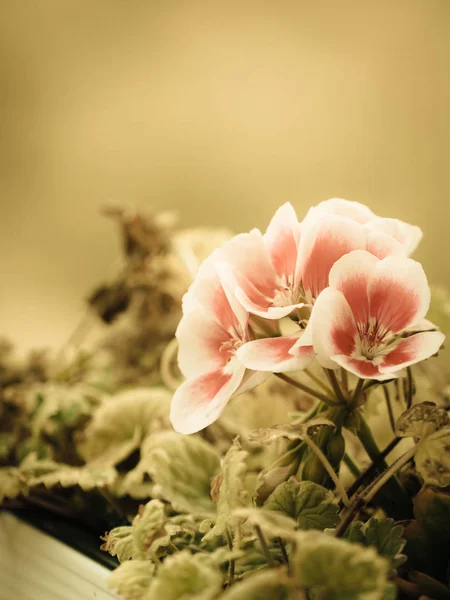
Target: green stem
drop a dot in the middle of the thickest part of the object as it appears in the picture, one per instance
(317, 381)
(410, 394)
(352, 466)
(232, 561)
(356, 393)
(376, 486)
(306, 389)
(394, 499)
(359, 501)
(329, 469)
(336, 387)
(264, 546)
(344, 380)
(389, 408)
(372, 468)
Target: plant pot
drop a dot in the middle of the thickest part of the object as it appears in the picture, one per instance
(34, 565)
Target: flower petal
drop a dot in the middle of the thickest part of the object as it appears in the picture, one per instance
(382, 245)
(322, 245)
(251, 299)
(361, 367)
(200, 339)
(272, 354)
(408, 235)
(412, 350)
(251, 380)
(351, 275)
(199, 402)
(333, 326)
(208, 293)
(344, 208)
(399, 295)
(281, 240)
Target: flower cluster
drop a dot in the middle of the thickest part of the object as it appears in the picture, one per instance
(341, 279)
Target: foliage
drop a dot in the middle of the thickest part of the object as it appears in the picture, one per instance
(235, 511)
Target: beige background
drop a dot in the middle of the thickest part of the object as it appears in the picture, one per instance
(222, 110)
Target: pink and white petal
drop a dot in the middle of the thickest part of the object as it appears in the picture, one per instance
(423, 325)
(305, 338)
(333, 325)
(254, 303)
(344, 208)
(382, 245)
(411, 350)
(272, 354)
(199, 402)
(399, 294)
(251, 380)
(351, 275)
(207, 292)
(361, 367)
(200, 339)
(408, 235)
(321, 246)
(281, 240)
(247, 255)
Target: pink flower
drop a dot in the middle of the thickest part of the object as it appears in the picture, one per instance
(407, 235)
(213, 327)
(370, 318)
(285, 269)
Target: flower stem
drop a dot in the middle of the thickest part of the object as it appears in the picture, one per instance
(371, 469)
(352, 466)
(323, 459)
(357, 392)
(306, 389)
(376, 486)
(359, 501)
(317, 381)
(389, 408)
(344, 380)
(410, 394)
(336, 387)
(394, 499)
(232, 561)
(264, 546)
(284, 553)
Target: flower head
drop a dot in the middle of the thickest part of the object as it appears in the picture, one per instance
(213, 327)
(369, 319)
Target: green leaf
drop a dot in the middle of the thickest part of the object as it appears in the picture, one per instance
(387, 538)
(119, 542)
(264, 585)
(432, 458)
(181, 467)
(384, 535)
(132, 579)
(273, 524)
(421, 420)
(310, 504)
(122, 422)
(228, 489)
(149, 533)
(50, 474)
(289, 432)
(184, 576)
(11, 484)
(335, 566)
(428, 537)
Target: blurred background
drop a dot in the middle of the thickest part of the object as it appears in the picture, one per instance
(222, 111)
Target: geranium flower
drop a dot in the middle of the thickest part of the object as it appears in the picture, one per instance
(369, 319)
(285, 269)
(213, 327)
(407, 235)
